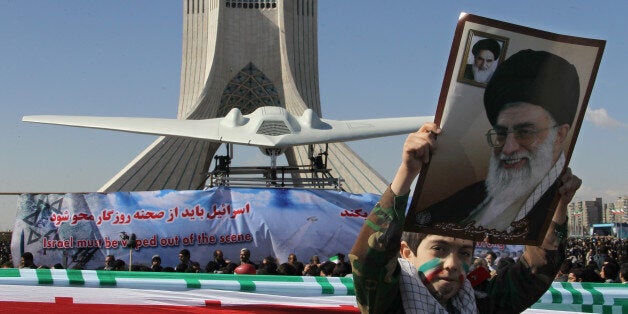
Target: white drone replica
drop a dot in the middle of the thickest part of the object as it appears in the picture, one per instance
(271, 129)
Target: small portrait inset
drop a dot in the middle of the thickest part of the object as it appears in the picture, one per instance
(483, 53)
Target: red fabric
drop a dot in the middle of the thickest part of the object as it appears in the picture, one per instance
(478, 275)
(66, 305)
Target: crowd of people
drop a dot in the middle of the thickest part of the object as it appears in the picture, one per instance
(5, 253)
(589, 259)
(595, 259)
(219, 264)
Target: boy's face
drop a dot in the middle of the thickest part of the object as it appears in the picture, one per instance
(442, 263)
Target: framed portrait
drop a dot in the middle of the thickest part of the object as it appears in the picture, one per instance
(482, 55)
(504, 146)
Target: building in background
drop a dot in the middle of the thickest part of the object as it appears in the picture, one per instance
(582, 215)
(616, 212)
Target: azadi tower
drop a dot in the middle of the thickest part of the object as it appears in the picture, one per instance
(244, 54)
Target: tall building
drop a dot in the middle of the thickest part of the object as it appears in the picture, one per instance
(617, 212)
(244, 54)
(582, 215)
(577, 219)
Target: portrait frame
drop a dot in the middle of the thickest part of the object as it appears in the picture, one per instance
(463, 154)
(472, 38)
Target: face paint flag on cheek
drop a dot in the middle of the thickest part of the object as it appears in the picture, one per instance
(430, 269)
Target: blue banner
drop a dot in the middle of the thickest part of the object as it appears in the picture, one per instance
(81, 229)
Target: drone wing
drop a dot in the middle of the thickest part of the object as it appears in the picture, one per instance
(265, 127)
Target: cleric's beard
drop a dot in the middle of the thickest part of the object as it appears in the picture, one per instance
(512, 184)
(482, 76)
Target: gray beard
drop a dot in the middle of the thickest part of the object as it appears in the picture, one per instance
(482, 76)
(509, 185)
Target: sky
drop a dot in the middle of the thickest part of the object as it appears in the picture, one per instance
(376, 59)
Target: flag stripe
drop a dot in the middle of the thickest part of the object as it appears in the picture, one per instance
(75, 277)
(32, 286)
(557, 297)
(598, 298)
(327, 287)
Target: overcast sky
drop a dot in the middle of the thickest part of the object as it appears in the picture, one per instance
(376, 59)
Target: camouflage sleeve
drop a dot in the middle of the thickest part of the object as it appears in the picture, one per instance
(518, 286)
(374, 256)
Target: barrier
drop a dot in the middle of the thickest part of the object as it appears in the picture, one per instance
(585, 297)
(59, 290)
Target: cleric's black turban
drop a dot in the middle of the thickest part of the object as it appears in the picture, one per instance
(536, 77)
(487, 44)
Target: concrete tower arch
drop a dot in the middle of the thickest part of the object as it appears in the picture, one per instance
(248, 53)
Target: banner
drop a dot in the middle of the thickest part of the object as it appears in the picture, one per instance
(79, 230)
(502, 250)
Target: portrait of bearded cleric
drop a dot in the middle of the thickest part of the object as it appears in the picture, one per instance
(530, 103)
(482, 57)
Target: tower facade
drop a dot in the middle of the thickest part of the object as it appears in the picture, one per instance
(245, 54)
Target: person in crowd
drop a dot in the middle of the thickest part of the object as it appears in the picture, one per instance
(592, 265)
(196, 267)
(610, 272)
(430, 275)
(576, 274)
(583, 274)
(119, 265)
(155, 263)
(185, 264)
(327, 269)
(110, 262)
(312, 268)
(292, 260)
(287, 269)
(268, 266)
(563, 271)
(590, 256)
(229, 268)
(139, 267)
(342, 265)
(341, 270)
(623, 273)
(217, 263)
(245, 257)
(490, 260)
(57, 266)
(27, 261)
(479, 262)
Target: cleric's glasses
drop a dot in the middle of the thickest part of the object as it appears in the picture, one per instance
(496, 137)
